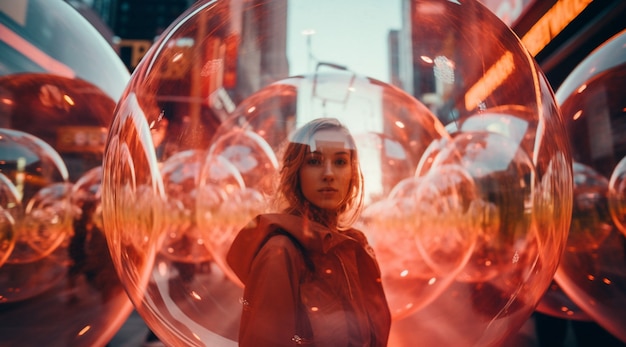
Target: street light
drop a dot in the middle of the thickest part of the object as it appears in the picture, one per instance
(309, 33)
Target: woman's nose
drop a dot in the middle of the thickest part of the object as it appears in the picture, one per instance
(328, 171)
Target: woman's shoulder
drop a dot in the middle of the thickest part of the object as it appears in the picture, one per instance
(280, 240)
(356, 234)
(260, 239)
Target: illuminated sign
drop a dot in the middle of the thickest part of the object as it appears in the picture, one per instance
(138, 48)
(552, 23)
(492, 79)
(81, 139)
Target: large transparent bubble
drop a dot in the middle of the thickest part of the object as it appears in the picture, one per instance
(59, 84)
(592, 271)
(467, 173)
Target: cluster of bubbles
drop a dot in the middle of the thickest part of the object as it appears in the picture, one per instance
(35, 195)
(58, 286)
(592, 275)
(467, 201)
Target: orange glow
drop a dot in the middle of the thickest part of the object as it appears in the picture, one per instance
(177, 57)
(552, 23)
(84, 330)
(577, 114)
(68, 99)
(492, 79)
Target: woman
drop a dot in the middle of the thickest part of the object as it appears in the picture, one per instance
(311, 279)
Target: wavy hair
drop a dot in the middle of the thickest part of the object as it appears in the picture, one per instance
(289, 193)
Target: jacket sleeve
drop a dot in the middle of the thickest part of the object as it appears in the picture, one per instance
(271, 295)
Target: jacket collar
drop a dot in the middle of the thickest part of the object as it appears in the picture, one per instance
(311, 235)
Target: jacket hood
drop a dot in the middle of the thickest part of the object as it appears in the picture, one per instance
(311, 235)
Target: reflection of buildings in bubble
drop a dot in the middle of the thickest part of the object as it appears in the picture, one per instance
(591, 220)
(178, 128)
(386, 145)
(64, 298)
(69, 114)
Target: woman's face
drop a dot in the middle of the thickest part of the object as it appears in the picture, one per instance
(326, 172)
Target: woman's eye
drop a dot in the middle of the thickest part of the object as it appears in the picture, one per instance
(314, 161)
(341, 162)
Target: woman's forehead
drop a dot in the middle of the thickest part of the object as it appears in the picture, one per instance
(329, 139)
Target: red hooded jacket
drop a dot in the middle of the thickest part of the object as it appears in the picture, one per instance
(307, 285)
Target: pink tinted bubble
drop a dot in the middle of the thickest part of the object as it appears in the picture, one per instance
(72, 295)
(448, 219)
(551, 213)
(405, 189)
(133, 216)
(514, 122)
(9, 197)
(412, 278)
(181, 239)
(428, 158)
(219, 187)
(239, 207)
(617, 195)
(38, 181)
(47, 215)
(250, 154)
(591, 272)
(591, 224)
(235, 71)
(7, 235)
(408, 280)
(494, 162)
(87, 195)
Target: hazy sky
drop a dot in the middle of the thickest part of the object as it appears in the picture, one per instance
(352, 33)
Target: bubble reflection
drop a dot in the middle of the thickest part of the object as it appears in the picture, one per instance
(466, 201)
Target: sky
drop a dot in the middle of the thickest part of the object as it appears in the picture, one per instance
(352, 33)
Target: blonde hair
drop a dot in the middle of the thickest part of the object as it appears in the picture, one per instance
(289, 194)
